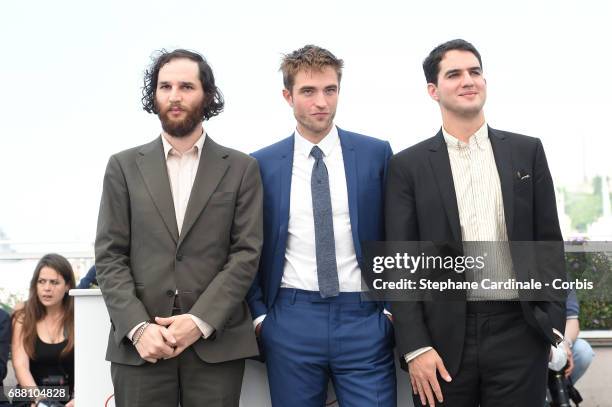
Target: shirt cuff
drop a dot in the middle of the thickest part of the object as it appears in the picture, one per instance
(558, 358)
(258, 320)
(206, 329)
(387, 312)
(130, 334)
(409, 356)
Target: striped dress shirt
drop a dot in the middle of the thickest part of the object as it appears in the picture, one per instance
(481, 215)
(481, 211)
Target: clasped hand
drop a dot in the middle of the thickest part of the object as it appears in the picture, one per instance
(168, 338)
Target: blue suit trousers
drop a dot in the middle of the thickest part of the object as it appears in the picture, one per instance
(308, 340)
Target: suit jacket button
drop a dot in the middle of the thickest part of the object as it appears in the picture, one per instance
(170, 293)
(179, 257)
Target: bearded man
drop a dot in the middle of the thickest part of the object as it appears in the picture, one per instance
(177, 247)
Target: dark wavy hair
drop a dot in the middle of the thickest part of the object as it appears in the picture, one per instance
(34, 311)
(431, 64)
(213, 98)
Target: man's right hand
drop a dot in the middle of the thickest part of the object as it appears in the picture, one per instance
(570, 360)
(155, 343)
(258, 329)
(423, 377)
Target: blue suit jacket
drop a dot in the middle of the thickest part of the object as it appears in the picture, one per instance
(365, 165)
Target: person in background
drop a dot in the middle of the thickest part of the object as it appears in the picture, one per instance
(89, 279)
(576, 353)
(43, 327)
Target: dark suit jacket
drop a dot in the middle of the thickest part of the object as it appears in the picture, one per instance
(5, 343)
(141, 259)
(421, 205)
(365, 165)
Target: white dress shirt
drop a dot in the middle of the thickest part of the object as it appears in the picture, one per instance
(300, 270)
(182, 170)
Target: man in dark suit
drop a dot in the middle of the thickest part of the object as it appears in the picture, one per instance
(323, 189)
(177, 247)
(473, 183)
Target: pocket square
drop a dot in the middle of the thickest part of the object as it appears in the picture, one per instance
(522, 175)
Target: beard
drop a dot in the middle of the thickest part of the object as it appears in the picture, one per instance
(181, 127)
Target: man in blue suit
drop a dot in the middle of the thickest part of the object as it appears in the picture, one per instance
(323, 189)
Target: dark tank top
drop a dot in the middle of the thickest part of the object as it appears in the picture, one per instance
(48, 363)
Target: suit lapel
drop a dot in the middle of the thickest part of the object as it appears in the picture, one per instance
(211, 169)
(350, 171)
(286, 171)
(440, 164)
(503, 159)
(151, 163)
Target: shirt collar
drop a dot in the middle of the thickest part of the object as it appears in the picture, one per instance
(327, 144)
(478, 139)
(197, 146)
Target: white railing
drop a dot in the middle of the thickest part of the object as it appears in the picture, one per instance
(81, 256)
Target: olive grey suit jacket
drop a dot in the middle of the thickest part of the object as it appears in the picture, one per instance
(141, 259)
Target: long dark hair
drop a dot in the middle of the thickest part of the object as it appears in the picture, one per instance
(213, 98)
(34, 311)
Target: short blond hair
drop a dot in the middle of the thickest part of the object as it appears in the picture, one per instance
(307, 58)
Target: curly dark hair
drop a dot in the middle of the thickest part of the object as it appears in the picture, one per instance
(213, 98)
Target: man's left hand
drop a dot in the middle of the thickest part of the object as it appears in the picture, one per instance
(185, 331)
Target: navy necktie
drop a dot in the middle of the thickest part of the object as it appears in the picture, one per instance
(327, 270)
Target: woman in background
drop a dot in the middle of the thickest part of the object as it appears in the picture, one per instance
(43, 328)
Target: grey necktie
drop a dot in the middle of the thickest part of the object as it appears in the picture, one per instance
(327, 270)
